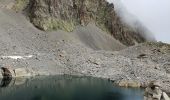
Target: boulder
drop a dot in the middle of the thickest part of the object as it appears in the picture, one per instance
(165, 96)
(129, 83)
(22, 72)
(154, 92)
(6, 73)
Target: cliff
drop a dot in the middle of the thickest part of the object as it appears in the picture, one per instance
(67, 14)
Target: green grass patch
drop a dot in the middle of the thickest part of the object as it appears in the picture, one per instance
(50, 24)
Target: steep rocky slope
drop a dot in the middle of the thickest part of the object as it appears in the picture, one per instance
(65, 15)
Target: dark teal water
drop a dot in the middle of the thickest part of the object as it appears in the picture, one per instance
(66, 88)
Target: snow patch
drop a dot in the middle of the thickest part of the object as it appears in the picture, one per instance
(17, 57)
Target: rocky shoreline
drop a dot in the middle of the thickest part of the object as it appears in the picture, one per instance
(148, 62)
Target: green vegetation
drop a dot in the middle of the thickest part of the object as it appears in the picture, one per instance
(20, 4)
(54, 24)
(103, 27)
(61, 24)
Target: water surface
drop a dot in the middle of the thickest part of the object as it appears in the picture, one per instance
(66, 88)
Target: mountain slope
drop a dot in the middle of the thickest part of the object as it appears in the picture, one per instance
(66, 15)
(83, 51)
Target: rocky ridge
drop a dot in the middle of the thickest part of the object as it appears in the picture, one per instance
(66, 15)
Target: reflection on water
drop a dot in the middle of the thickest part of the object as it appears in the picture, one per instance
(66, 88)
(5, 82)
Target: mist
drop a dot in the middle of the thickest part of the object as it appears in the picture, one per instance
(153, 14)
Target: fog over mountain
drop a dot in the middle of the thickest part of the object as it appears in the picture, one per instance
(154, 14)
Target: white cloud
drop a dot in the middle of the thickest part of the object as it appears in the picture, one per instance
(154, 14)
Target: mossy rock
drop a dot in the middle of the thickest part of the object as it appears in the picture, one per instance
(49, 24)
(61, 24)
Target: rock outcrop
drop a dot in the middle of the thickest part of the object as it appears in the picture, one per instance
(18, 72)
(66, 14)
(154, 92)
(129, 83)
(6, 73)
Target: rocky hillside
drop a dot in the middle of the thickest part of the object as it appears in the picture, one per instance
(87, 50)
(67, 14)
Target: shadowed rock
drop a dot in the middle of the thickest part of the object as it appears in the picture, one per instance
(5, 82)
(17, 72)
(6, 73)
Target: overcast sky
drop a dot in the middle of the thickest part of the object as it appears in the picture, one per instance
(154, 14)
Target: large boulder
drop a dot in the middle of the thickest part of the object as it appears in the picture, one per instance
(22, 72)
(129, 83)
(17, 72)
(154, 92)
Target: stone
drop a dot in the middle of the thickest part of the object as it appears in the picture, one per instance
(22, 72)
(154, 92)
(165, 96)
(6, 72)
(7, 69)
(156, 83)
(129, 83)
(12, 72)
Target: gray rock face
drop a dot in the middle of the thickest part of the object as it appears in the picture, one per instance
(6, 72)
(66, 14)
